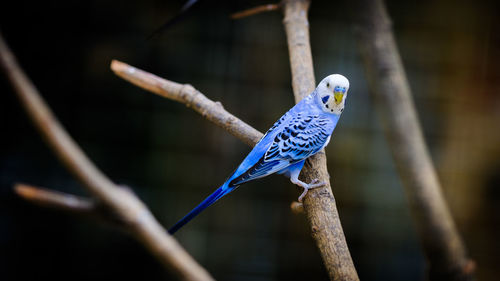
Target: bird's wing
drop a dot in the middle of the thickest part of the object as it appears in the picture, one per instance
(302, 136)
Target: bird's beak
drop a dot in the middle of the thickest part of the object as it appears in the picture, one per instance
(338, 95)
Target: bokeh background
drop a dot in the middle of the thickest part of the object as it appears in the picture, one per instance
(172, 158)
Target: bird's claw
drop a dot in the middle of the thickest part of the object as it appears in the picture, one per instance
(314, 184)
(314, 181)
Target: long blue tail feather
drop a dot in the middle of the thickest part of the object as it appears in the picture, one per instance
(216, 195)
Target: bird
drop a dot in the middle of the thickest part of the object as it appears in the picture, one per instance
(300, 133)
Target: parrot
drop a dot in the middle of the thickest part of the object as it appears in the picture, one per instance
(300, 133)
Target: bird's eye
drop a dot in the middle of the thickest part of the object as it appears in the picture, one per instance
(328, 85)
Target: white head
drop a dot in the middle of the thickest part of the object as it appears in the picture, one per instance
(332, 92)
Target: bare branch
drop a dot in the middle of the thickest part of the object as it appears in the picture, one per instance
(54, 199)
(69, 203)
(297, 34)
(319, 203)
(139, 220)
(256, 10)
(186, 94)
(442, 244)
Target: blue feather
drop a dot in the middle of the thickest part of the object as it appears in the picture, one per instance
(216, 195)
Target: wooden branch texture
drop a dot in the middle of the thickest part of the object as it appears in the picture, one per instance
(140, 222)
(441, 242)
(186, 94)
(319, 204)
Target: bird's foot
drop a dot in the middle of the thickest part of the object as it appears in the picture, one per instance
(314, 184)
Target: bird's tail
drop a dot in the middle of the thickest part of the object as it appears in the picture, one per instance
(216, 195)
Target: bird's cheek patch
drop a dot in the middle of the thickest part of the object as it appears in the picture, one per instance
(325, 99)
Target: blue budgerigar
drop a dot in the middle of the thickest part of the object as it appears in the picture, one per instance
(302, 132)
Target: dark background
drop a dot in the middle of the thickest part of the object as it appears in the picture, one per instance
(173, 158)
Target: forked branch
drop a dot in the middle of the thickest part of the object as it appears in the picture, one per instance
(138, 219)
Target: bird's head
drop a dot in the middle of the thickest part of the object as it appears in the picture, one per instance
(332, 92)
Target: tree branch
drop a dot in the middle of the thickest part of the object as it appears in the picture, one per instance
(319, 203)
(54, 199)
(256, 10)
(186, 94)
(441, 242)
(69, 203)
(140, 222)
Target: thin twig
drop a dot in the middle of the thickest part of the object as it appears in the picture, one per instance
(54, 199)
(442, 244)
(140, 222)
(256, 10)
(69, 203)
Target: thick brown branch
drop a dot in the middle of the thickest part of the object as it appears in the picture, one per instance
(186, 94)
(256, 10)
(442, 244)
(140, 222)
(319, 203)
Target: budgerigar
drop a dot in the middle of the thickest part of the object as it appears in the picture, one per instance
(302, 132)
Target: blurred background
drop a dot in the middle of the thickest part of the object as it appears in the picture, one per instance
(172, 158)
